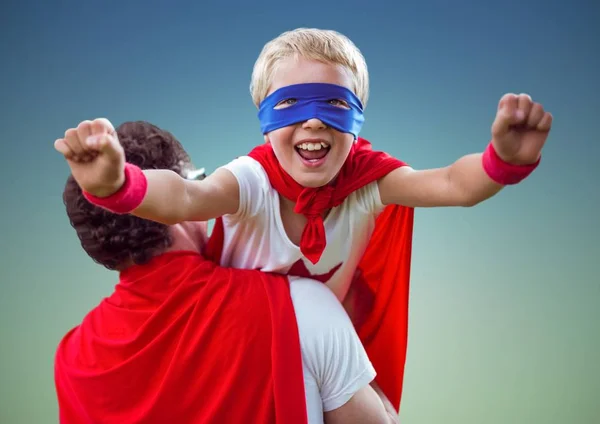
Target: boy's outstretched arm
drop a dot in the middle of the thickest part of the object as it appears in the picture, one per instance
(97, 163)
(464, 183)
(171, 199)
(519, 133)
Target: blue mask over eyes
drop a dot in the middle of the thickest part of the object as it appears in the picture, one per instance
(312, 100)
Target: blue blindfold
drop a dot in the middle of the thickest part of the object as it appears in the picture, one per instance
(312, 100)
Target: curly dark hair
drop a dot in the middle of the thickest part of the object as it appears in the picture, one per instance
(113, 240)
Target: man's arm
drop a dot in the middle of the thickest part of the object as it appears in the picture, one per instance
(171, 199)
(464, 183)
(365, 407)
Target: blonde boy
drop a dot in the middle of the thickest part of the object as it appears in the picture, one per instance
(314, 200)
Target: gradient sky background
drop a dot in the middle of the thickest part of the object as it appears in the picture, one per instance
(505, 312)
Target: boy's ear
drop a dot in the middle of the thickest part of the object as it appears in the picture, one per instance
(266, 139)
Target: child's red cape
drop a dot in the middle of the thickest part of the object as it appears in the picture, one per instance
(385, 267)
(184, 341)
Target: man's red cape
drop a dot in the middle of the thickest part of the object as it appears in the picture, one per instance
(382, 286)
(184, 341)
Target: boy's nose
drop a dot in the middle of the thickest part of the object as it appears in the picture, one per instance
(314, 124)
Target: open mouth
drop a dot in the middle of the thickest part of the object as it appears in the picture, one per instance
(313, 152)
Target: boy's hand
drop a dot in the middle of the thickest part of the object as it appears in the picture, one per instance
(520, 129)
(96, 157)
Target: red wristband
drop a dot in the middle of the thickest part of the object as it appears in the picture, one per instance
(128, 197)
(502, 172)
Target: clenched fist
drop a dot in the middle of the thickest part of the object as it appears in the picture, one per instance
(95, 156)
(520, 129)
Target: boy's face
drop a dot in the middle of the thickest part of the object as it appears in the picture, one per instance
(310, 152)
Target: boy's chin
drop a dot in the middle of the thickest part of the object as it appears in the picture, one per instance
(312, 179)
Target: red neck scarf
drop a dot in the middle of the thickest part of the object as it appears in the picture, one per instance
(362, 167)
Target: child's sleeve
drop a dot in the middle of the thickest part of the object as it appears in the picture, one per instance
(369, 199)
(253, 183)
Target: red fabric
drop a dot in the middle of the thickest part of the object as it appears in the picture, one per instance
(128, 197)
(184, 341)
(502, 172)
(382, 285)
(385, 271)
(362, 167)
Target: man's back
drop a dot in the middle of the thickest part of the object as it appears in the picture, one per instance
(182, 341)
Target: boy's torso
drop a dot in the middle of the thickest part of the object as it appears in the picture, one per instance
(256, 237)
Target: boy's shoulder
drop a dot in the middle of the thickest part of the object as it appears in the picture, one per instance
(247, 167)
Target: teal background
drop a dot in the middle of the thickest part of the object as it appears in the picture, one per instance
(505, 306)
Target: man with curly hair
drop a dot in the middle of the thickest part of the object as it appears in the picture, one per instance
(183, 340)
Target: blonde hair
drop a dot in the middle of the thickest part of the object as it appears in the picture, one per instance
(324, 45)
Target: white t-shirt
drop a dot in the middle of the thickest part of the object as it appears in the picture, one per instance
(335, 364)
(256, 239)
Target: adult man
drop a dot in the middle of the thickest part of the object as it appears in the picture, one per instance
(183, 340)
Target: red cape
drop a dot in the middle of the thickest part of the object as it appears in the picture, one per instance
(184, 341)
(385, 270)
(382, 286)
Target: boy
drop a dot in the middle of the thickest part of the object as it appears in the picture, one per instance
(315, 200)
